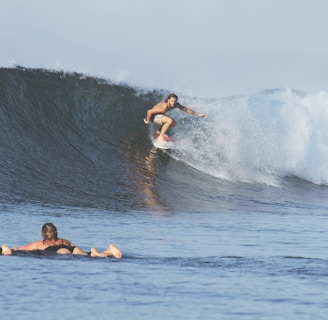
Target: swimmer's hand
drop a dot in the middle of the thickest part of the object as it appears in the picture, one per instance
(146, 122)
(203, 115)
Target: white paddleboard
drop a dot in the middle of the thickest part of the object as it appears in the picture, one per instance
(169, 144)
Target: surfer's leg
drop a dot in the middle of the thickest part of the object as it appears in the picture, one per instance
(6, 251)
(167, 124)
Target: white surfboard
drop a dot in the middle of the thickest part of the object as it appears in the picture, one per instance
(169, 144)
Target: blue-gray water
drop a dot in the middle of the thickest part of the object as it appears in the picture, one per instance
(214, 230)
(268, 263)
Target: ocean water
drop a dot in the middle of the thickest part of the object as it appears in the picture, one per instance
(230, 225)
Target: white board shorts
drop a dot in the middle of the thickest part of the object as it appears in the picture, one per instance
(158, 118)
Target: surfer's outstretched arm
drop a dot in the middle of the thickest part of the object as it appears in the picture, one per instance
(190, 111)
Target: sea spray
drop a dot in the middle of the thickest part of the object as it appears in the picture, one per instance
(258, 138)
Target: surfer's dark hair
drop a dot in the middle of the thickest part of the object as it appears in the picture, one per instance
(172, 95)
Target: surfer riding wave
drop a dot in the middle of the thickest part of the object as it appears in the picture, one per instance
(157, 114)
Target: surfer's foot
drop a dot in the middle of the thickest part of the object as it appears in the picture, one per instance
(161, 140)
(113, 251)
(6, 251)
(165, 135)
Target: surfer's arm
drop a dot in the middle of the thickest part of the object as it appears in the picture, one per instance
(191, 111)
(150, 112)
(158, 108)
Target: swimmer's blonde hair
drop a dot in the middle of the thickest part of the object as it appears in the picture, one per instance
(49, 231)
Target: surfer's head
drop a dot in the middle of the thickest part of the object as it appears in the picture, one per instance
(172, 95)
(49, 232)
(171, 100)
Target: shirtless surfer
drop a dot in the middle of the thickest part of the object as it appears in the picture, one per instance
(158, 116)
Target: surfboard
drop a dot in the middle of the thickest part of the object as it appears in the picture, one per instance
(168, 145)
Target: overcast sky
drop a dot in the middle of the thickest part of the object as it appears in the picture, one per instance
(203, 48)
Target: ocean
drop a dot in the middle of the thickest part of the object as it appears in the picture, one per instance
(230, 225)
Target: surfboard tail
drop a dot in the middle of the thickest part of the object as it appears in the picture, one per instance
(168, 144)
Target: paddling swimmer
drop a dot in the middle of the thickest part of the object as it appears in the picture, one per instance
(51, 243)
(158, 116)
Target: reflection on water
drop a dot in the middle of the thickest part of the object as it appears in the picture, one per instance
(142, 173)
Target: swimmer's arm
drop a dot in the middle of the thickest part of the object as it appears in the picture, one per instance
(36, 245)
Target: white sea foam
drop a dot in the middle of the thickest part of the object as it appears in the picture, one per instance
(258, 138)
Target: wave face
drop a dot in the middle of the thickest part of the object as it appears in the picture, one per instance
(69, 139)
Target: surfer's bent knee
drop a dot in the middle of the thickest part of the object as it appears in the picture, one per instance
(167, 119)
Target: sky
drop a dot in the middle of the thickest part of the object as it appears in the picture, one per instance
(207, 48)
